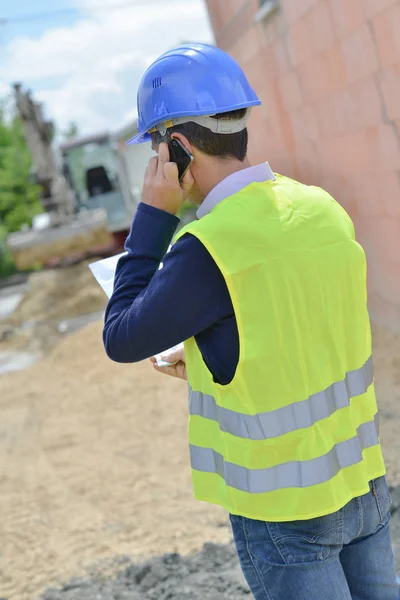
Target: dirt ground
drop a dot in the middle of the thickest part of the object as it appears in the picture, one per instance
(211, 574)
(94, 462)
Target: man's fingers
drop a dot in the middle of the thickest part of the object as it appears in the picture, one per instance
(171, 371)
(151, 170)
(163, 158)
(178, 370)
(174, 355)
(171, 172)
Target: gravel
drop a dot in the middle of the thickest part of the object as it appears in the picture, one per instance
(212, 574)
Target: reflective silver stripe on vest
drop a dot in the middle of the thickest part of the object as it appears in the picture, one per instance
(298, 415)
(291, 474)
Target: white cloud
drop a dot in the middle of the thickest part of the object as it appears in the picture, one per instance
(89, 72)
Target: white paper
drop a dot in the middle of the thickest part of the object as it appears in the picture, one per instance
(104, 272)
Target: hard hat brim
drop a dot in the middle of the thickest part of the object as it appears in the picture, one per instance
(144, 136)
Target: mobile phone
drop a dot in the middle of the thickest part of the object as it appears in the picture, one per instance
(179, 155)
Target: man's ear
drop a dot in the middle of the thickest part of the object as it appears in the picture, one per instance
(183, 140)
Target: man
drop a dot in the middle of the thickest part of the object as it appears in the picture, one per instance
(268, 289)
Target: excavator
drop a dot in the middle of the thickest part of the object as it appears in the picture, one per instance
(86, 212)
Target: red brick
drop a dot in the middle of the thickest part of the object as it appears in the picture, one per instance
(312, 33)
(320, 28)
(314, 78)
(335, 64)
(290, 90)
(364, 226)
(298, 126)
(309, 117)
(389, 147)
(347, 197)
(344, 111)
(234, 5)
(359, 151)
(388, 279)
(360, 53)
(389, 81)
(261, 136)
(388, 188)
(250, 46)
(266, 34)
(282, 123)
(255, 70)
(236, 50)
(368, 197)
(299, 42)
(215, 14)
(347, 15)
(338, 114)
(331, 182)
(294, 10)
(335, 155)
(378, 193)
(386, 26)
(281, 53)
(236, 25)
(280, 23)
(326, 124)
(385, 236)
(307, 160)
(367, 101)
(340, 186)
(258, 134)
(373, 7)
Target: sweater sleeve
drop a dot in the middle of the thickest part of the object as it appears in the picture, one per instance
(152, 309)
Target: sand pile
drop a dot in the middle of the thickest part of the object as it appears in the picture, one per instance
(53, 296)
(60, 294)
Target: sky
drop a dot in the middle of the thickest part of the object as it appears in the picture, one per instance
(85, 61)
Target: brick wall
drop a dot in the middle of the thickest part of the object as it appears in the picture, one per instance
(328, 73)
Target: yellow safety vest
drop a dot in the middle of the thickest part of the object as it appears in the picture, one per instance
(295, 433)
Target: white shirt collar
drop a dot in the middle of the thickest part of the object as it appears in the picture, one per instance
(233, 184)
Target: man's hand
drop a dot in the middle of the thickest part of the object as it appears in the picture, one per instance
(177, 370)
(162, 188)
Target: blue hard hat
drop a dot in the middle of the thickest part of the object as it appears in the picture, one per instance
(193, 80)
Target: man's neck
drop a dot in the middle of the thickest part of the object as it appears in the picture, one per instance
(217, 171)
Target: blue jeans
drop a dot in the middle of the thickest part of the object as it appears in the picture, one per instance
(343, 556)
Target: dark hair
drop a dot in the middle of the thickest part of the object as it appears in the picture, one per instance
(224, 145)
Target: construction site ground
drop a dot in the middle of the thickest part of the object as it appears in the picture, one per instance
(94, 468)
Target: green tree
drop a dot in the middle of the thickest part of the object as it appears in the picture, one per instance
(19, 197)
(7, 266)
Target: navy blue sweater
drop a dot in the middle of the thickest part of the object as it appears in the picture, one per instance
(151, 310)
